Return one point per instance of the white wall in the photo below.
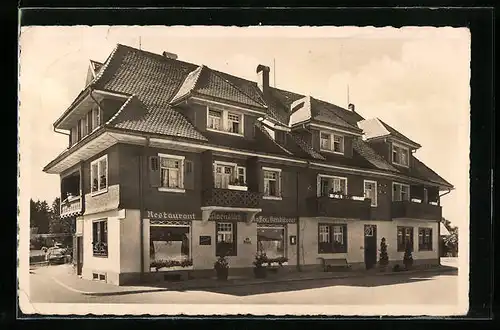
(130, 242)
(308, 239)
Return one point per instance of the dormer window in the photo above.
(332, 142)
(400, 155)
(225, 121)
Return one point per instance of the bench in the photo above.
(334, 263)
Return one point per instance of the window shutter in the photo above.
(346, 237)
(188, 175)
(154, 171)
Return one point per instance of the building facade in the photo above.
(170, 165)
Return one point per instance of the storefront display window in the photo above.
(169, 247)
(271, 241)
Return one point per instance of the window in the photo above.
(424, 239)
(226, 239)
(371, 191)
(169, 246)
(400, 155)
(171, 171)
(83, 127)
(214, 120)
(271, 241)
(228, 174)
(272, 183)
(405, 238)
(96, 118)
(331, 186)
(225, 121)
(332, 238)
(332, 142)
(74, 135)
(99, 174)
(100, 238)
(400, 192)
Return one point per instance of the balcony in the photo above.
(230, 198)
(414, 210)
(325, 206)
(71, 206)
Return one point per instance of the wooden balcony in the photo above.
(71, 207)
(325, 206)
(414, 210)
(231, 198)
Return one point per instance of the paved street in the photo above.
(394, 289)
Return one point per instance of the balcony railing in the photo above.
(413, 210)
(325, 206)
(231, 198)
(71, 206)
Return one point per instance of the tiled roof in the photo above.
(374, 128)
(421, 171)
(208, 82)
(154, 80)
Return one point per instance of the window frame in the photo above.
(331, 177)
(278, 182)
(235, 174)
(329, 247)
(234, 249)
(224, 121)
(104, 254)
(332, 137)
(402, 245)
(425, 246)
(398, 146)
(182, 164)
(373, 203)
(283, 228)
(402, 185)
(98, 162)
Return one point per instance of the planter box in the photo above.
(235, 187)
(171, 269)
(276, 264)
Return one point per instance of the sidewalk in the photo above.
(64, 276)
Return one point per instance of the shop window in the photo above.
(226, 239)
(169, 246)
(332, 238)
(425, 239)
(405, 238)
(100, 238)
(271, 241)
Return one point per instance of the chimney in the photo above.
(351, 107)
(171, 56)
(263, 77)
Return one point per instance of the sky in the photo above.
(414, 79)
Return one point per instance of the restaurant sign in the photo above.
(170, 216)
(227, 216)
(273, 219)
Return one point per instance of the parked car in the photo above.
(56, 255)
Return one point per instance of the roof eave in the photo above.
(76, 102)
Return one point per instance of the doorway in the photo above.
(370, 246)
(79, 254)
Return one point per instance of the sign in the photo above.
(293, 240)
(169, 216)
(227, 216)
(205, 240)
(272, 219)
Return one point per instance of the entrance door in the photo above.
(370, 246)
(79, 253)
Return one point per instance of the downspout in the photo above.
(446, 193)
(142, 161)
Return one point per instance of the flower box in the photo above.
(171, 269)
(236, 187)
(276, 264)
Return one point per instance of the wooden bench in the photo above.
(334, 263)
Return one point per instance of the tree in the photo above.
(40, 216)
(58, 225)
(383, 258)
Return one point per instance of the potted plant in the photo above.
(221, 267)
(236, 184)
(407, 257)
(384, 258)
(260, 265)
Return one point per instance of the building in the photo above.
(170, 164)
